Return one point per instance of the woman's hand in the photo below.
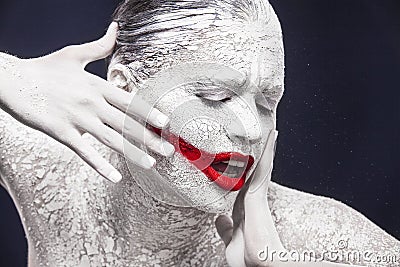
(250, 235)
(251, 228)
(55, 95)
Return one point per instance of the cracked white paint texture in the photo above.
(254, 51)
(74, 217)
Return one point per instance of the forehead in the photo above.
(253, 47)
(259, 55)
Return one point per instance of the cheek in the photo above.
(199, 123)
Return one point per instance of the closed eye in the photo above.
(221, 96)
(214, 97)
(212, 90)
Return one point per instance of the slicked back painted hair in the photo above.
(144, 24)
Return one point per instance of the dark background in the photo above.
(339, 121)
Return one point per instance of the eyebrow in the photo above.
(215, 86)
(229, 88)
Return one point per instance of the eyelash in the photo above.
(213, 98)
(265, 106)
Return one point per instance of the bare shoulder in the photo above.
(316, 223)
(27, 156)
(21, 148)
(5, 118)
(30, 160)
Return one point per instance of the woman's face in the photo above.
(221, 97)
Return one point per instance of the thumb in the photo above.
(98, 49)
(224, 225)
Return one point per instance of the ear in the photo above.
(120, 76)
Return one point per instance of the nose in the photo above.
(245, 132)
(246, 126)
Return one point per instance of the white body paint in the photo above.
(73, 217)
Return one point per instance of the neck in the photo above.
(156, 230)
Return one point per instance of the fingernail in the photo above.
(115, 176)
(162, 120)
(167, 149)
(113, 25)
(147, 162)
(273, 135)
(276, 135)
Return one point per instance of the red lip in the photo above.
(204, 160)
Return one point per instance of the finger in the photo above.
(252, 198)
(262, 174)
(130, 128)
(134, 105)
(93, 158)
(98, 49)
(255, 200)
(115, 141)
(260, 233)
(259, 228)
(238, 213)
(224, 225)
(236, 250)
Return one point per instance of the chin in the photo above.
(176, 182)
(223, 205)
(191, 187)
